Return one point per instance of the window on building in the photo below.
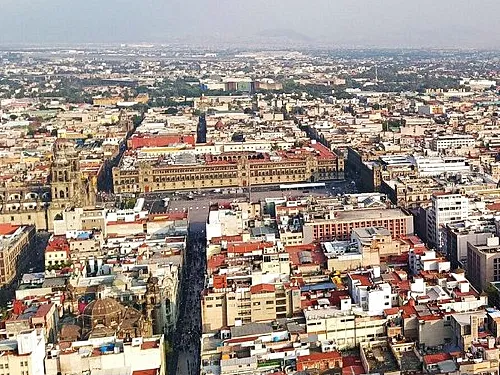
(496, 269)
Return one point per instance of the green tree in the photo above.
(129, 204)
(142, 90)
(136, 120)
(493, 295)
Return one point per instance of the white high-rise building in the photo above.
(445, 142)
(446, 208)
(24, 354)
(434, 166)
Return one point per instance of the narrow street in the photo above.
(33, 261)
(185, 357)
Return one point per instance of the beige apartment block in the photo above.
(259, 303)
(347, 329)
(14, 251)
(377, 240)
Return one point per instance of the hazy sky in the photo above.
(386, 23)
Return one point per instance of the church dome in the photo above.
(102, 308)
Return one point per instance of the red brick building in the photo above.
(319, 361)
(339, 227)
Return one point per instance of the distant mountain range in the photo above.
(284, 34)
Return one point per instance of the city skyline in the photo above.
(388, 23)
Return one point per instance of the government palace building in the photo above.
(188, 170)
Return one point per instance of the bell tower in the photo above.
(151, 297)
(65, 176)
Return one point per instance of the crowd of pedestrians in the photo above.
(186, 342)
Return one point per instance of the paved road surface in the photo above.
(34, 263)
(199, 204)
(186, 356)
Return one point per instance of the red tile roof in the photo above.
(319, 356)
(43, 310)
(146, 140)
(351, 365)
(353, 370)
(431, 359)
(215, 261)
(414, 240)
(262, 288)
(391, 311)
(324, 152)
(364, 280)
(398, 260)
(318, 257)
(57, 243)
(149, 345)
(154, 371)
(493, 207)
(7, 228)
(229, 239)
(247, 247)
(220, 281)
(409, 309)
(335, 297)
